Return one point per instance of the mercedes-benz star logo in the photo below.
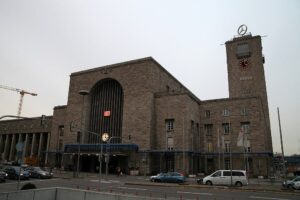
(242, 30)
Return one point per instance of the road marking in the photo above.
(270, 198)
(196, 193)
(127, 188)
(104, 181)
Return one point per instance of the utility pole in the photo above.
(284, 168)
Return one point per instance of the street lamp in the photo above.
(83, 93)
(107, 152)
(104, 138)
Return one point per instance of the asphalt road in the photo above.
(169, 191)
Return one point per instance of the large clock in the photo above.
(243, 63)
(105, 137)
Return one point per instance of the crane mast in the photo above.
(22, 93)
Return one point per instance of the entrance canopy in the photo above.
(96, 148)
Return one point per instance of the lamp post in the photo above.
(107, 154)
(83, 93)
(104, 138)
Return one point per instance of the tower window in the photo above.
(209, 147)
(207, 113)
(226, 128)
(245, 126)
(208, 129)
(244, 111)
(227, 146)
(169, 124)
(61, 130)
(225, 112)
(243, 50)
(170, 143)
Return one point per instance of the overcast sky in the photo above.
(43, 42)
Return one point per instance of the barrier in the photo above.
(67, 193)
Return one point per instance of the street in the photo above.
(140, 186)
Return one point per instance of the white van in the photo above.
(223, 177)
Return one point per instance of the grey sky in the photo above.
(43, 42)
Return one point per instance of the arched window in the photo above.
(106, 95)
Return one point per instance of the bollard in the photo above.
(88, 188)
(98, 189)
(77, 187)
(181, 197)
(150, 194)
(136, 193)
(110, 190)
(165, 195)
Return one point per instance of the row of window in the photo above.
(226, 113)
(226, 147)
(208, 128)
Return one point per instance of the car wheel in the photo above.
(208, 183)
(238, 184)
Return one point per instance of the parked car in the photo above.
(170, 177)
(296, 185)
(37, 172)
(289, 183)
(14, 172)
(3, 176)
(223, 177)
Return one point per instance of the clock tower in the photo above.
(246, 76)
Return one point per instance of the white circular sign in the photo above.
(242, 30)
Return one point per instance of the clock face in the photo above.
(105, 137)
(244, 64)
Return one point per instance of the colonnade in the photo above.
(35, 145)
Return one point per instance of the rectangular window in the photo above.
(60, 145)
(244, 111)
(170, 143)
(61, 130)
(225, 112)
(209, 147)
(208, 129)
(226, 128)
(227, 146)
(207, 113)
(243, 50)
(169, 124)
(245, 126)
(227, 164)
(247, 149)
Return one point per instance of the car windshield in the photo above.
(17, 169)
(37, 169)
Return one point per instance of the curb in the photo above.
(295, 192)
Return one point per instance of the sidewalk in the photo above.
(254, 184)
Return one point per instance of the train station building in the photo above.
(136, 116)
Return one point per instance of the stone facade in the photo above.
(172, 128)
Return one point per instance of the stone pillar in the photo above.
(25, 147)
(12, 148)
(33, 145)
(40, 147)
(1, 143)
(6, 147)
(47, 149)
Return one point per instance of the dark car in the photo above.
(3, 176)
(14, 172)
(170, 177)
(289, 183)
(37, 172)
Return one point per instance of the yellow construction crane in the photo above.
(22, 93)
